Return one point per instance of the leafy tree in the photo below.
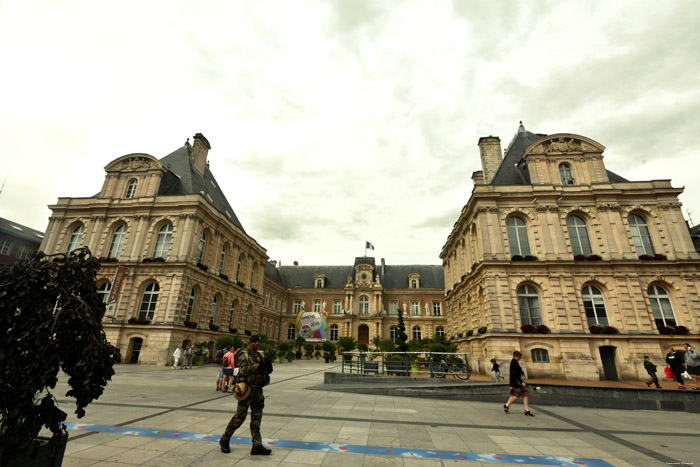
(225, 341)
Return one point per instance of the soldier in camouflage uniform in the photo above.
(251, 371)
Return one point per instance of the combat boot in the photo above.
(225, 448)
(260, 450)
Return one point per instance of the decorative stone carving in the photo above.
(561, 145)
(608, 207)
(136, 163)
(669, 206)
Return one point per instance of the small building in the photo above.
(17, 241)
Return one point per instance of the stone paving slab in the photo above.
(162, 399)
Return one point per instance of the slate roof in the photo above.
(20, 231)
(183, 179)
(395, 277)
(507, 174)
(695, 235)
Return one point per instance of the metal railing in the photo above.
(425, 364)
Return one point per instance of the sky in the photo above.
(333, 123)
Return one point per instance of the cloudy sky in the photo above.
(332, 123)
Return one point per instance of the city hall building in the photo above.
(179, 268)
(580, 269)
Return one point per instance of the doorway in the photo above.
(607, 357)
(136, 349)
(363, 334)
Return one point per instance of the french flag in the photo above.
(369, 245)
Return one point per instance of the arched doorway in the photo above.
(135, 346)
(363, 334)
(607, 357)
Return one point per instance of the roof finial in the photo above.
(187, 143)
(521, 127)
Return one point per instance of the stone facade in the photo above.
(556, 240)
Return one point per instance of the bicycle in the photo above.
(441, 368)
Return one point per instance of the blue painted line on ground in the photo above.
(351, 448)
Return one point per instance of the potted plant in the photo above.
(309, 350)
(482, 330)
(328, 350)
(543, 329)
(681, 330)
(51, 320)
(284, 348)
(347, 344)
(299, 343)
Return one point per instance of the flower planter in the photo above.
(45, 454)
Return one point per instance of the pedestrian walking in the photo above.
(677, 365)
(227, 365)
(176, 357)
(190, 356)
(518, 385)
(692, 364)
(496, 369)
(651, 369)
(254, 373)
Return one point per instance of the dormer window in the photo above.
(319, 281)
(565, 174)
(131, 188)
(414, 280)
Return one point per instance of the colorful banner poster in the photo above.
(312, 325)
(117, 282)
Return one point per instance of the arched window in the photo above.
(578, 233)
(233, 313)
(414, 284)
(131, 188)
(594, 305)
(190, 305)
(163, 239)
(117, 244)
(103, 291)
(238, 268)
(252, 275)
(529, 303)
(363, 304)
(661, 307)
(439, 331)
(222, 259)
(392, 333)
(539, 355)
(200, 248)
(149, 300)
(565, 174)
(416, 332)
(415, 308)
(291, 331)
(334, 332)
(214, 306)
(319, 284)
(517, 236)
(76, 236)
(640, 235)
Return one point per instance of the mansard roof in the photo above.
(394, 277)
(507, 173)
(20, 231)
(182, 178)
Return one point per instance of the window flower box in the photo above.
(159, 259)
(530, 258)
(667, 330)
(595, 329)
(646, 257)
(203, 267)
(482, 330)
(526, 328)
(102, 259)
(470, 333)
(254, 290)
(142, 321)
(247, 332)
(232, 330)
(224, 277)
(659, 257)
(213, 327)
(516, 258)
(594, 258)
(610, 330)
(542, 329)
(579, 257)
(191, 324)
(681, 330)
(240, 284)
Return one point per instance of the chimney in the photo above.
(383, 267)
(200, 149)
(478, 177)
(273, 262)
(490, 148)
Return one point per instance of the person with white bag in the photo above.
(692, 364)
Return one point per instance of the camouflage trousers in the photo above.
(256, 402)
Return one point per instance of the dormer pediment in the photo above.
(564, 143)
(137, 162)
(132, 176)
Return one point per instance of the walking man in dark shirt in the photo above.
(651, 369)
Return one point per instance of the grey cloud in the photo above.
(443, 220)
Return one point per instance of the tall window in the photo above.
(233, 313)
(640, 235)
(517, 236)
(437, 309)
(364, 305)
(661, 307)
(529, 303)
(334, 332)
(149, 300)
(539, 355)
(291, 331)
(317, 306)
(190, 305)
(24, 251)
(214, 306)
(440, 331)
(264, 325)
(414, 284)
(247, 316)
(165, 236)
(238, 268)
(392, 333)
(336, 307)
(415, 309)
(319, 284)
(252, 275)
(5, 246)
(578, 233)
(416, 332)
(131, 188)
(200, 248)
(297, 306)
(594, 305)
(393, 308)
(104, 290)
(565, 174)
(76, 237)
(222, 259)
(117, 244)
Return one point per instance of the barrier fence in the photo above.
(425, 364)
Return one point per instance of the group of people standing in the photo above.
(226, 377)
(182, 358)
(688, 363)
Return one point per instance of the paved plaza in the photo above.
(157, 416)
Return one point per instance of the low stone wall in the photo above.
(540, 394)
